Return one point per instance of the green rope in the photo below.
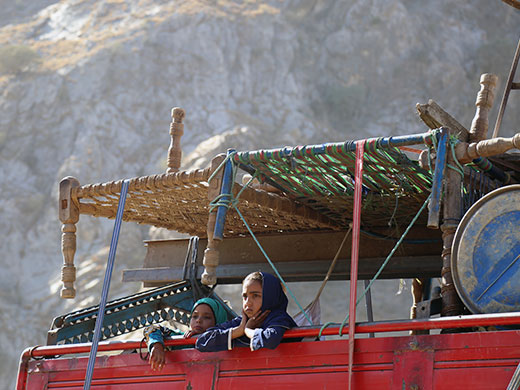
(323, 328)
(386, 261)
(311, 175)
(218, 201)
(435, 133)
(221, 165)
(459, 168)
(273, 266)
(253, 177)
(232, 203)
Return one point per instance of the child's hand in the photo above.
(257, 320)
(157, 357)
(238, 331)
(189, 333)
(244, 320)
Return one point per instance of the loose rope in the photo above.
(380, 268)
(273, 266)
(386, 261)
(332, 265)
(232, 202)
(459, 168)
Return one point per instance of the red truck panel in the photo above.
(484, 360)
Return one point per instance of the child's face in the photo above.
(251, 297)
(202, 318)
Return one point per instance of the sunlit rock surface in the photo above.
(92, 93)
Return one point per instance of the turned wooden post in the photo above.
(69, 216)
(452, 209)
(176, 132)
(485, 99)
(212, 254)
(490, 147)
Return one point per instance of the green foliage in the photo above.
(17, 58)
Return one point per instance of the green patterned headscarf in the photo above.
(218, 310)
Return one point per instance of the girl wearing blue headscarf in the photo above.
(206, 313)
(263, 322)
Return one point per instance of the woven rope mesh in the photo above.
(318, 186)
(322, 177)
(181, 204)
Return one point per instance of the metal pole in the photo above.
(356, 226)
(452, 213)
(434, 207)
(106, 286)
(225, 192)
(348, 146)
(508, 87)
(368, 302)
(515, 380)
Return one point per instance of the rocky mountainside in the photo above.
(86, 88)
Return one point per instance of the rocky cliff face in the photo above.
(87, 86)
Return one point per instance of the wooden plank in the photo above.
(398, 267)
(291, 247)
(304, 255)
(434, 117)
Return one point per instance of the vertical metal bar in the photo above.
(452, 200)
(225, 191)
(472, 179)
(507, 89)
(106, 286)
(368, 303)
(427, 289)
(434, 207)
(356, 227)
(515, 380)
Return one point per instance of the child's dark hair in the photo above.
(257, 276)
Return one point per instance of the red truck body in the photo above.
(471, 360)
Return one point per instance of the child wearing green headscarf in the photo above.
(206, 313)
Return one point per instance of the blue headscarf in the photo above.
(274, 299)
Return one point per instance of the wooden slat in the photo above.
(398, 267)
(308, 246)
(434, 117)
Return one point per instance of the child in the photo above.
(206, 313)
(263, 322)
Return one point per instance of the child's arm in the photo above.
(154, 336)
(220, 337)
(265, 338)
(269, 337)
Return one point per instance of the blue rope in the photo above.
(106, 285)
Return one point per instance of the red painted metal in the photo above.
(354, 257)
(495, 353)
(469, 321)
(478, 360)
